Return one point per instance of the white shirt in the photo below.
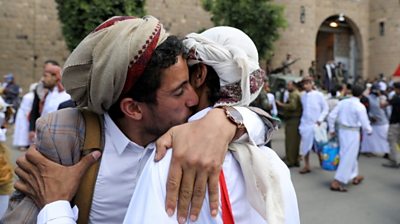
(349, 113)
(315, 108)
(271, 100)
(53, 99)
(148, 201)
(121, 165)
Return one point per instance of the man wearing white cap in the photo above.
(132, 73)
(224, 71)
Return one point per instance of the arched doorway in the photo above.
(339, 40)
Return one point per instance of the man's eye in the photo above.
(179, 92)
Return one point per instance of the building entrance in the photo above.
(338, 47)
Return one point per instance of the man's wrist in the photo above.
(218, 118)
(234, 117)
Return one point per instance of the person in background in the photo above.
(333, 98)
(315, 110)
(48, 94)
(287, 63)
(394, 128)
(11, 94)
(21, 131)
(266, 100)
(377, 142)
(291, 115)
(349, 115)
(329, 75)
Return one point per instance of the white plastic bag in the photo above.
(321, 133)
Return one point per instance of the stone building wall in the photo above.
(385, 49)
(180, 17)
(300, 38)
(30, 32)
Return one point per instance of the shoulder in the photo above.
(60, 135)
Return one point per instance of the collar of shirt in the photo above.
(199, 114)
(119, 140)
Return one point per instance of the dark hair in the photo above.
(212, 82)
(396, 85)
(333, 91)
(145, 88)
(357, 90)
(53, 62)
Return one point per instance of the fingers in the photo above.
(185, 194)
(26, 165)
(23, 187)
(87, 161)
(24, 176)
(27, 190)
(213, 193)
(162, 144)
(199, 191)
(34, 156)
(173, 184)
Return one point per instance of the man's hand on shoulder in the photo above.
(199, 151)
(45, 181)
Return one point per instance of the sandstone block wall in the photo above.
(30, 32)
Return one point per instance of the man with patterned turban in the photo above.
(133, 74)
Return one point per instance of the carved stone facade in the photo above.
(30, 33)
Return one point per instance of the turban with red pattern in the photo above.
(108, 62)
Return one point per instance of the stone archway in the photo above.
(339, 39)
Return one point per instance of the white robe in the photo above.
(53, 100)
(315, 109)
(148, 201)
(377, 142)
(271, 100)
(21, 131)
(350, 115)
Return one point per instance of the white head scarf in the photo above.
(234, 57)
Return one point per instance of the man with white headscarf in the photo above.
(255, 184)
(130, 71)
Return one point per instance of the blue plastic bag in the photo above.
(330, 155)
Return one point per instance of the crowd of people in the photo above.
(368, 111)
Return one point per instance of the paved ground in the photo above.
(375, 201)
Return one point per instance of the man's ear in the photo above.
(200, 75)
(131, 108)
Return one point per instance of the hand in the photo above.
(45, 181)
(198, 154)
(278, 103)
(373, 119)
(332, 134)
(318, 123)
